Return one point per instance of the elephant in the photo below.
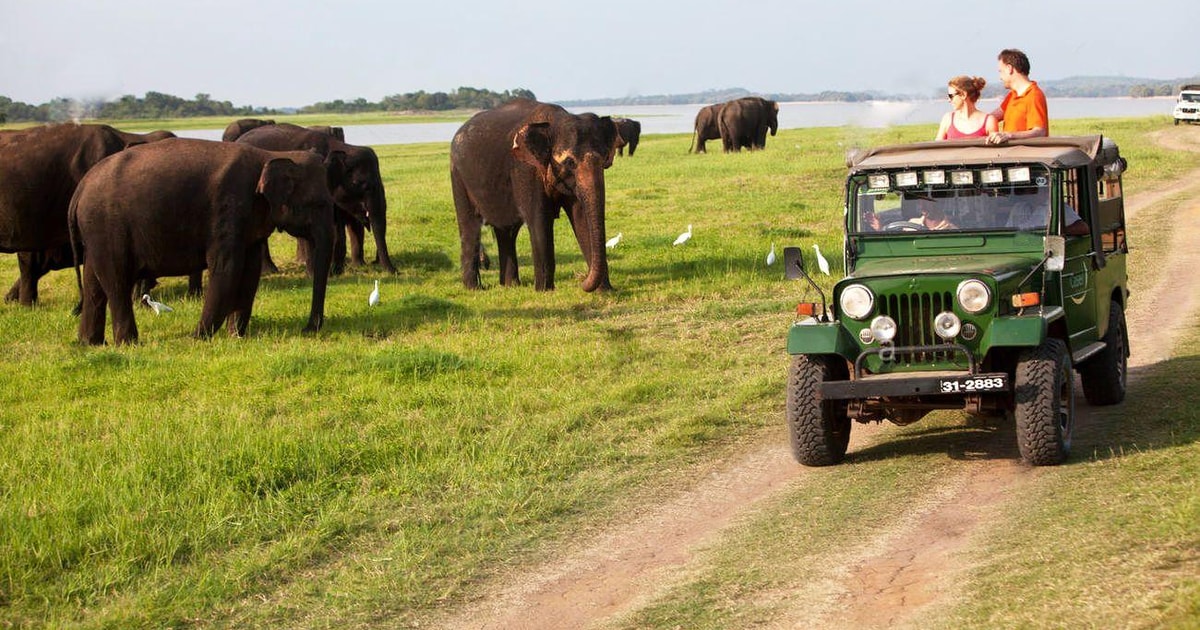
(43, 262)
(744, 122)
(630, 132)
(336, 132)
(39, 170)
(358, 191)
(132, 139)
(522, 163)
(706, 127)
(238, 127)
(176, 207)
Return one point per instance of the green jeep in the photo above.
(977, 277)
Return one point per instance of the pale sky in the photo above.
(271, 53)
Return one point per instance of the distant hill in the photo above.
(1069, 87)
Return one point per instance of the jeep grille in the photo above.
(914, 315)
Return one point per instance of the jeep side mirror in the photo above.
(793, 263)
(1056, 253)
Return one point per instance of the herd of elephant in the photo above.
(126, 209)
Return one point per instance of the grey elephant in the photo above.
(706, 127)
(179, 206)
(743, 123)
(39, 170)
(357, 190)
(522, 164)
(630, 133)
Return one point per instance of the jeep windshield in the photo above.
(968, 200)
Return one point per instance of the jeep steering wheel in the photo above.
(905, 226)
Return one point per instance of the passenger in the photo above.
(965, 120)
(1026, 217)
(933, 217)
(1023, 111)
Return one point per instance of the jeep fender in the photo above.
(1025, 331)
(812, 337)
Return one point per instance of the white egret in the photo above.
(683, 238)
(158, 307)
(821, 262)
(771, 256)
(373, 299)
(612, 242)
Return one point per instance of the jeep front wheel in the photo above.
(1104, 374)
(819, 429)
(1044, 403)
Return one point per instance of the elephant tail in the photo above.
(76, 248)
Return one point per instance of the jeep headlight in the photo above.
(883, 328)
(857, 301)
(974, 296)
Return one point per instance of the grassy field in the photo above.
(380, 469)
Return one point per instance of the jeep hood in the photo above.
(998, 266)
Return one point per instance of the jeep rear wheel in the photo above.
(1105, 373)
(1045, 403)
(819, 429)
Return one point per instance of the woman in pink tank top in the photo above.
(965, 121)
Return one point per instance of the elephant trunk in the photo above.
(320, 256)
(377, 214)
(590, 192)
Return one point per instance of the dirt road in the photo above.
(905, 572)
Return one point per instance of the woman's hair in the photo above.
(971, 86)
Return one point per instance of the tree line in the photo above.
(462, 98)
(156, 105)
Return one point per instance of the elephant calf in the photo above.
(179, 206)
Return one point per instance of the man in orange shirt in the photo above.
(1023, 110)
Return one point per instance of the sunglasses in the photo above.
(950, 96)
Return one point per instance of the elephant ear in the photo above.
(278, 180)
(533, 144)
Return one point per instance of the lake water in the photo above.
(661, 119)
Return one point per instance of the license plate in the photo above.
(974, 384)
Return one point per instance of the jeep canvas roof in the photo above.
(1054, 151)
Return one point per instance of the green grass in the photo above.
(382, 468)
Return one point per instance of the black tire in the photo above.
(1104, 375)
(819, 429)
(1045, 403)
(1176, 122)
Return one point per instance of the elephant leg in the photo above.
(32, 269)
(243, 299)
(354, 234)
(14, 293)
(541, 237)
(506, 251)
(470, 225)
(143, 287)
(223, 279)
(94, 304)
(268, 265)
(120, 303)
(339, 248)
(302, 251)
(195, 284)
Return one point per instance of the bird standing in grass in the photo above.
(821, 262)
(612, 242)
(373, 299)
(683, 238)
(771, 256)
(158, 307)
